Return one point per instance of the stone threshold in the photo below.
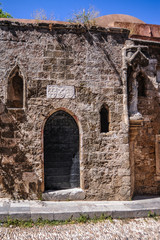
(64, 195)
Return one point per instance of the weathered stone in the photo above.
(97, 66)
(60, 91)
(64, 195)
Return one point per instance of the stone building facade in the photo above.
(79, 108)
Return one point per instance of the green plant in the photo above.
(40, 196)
(42, 222)
(84, 16)
(110, 219)
(15, 222)
(82, 219)
(40, 14)
(29, 223)
(152, 215)
(4, 14)
(81, 85)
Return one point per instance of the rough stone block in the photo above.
(64, 195)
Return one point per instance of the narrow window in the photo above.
(141, 85)
(104, 116)
(15, 92)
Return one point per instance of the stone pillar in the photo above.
(133, 132)
(133, 104)
(157, 148)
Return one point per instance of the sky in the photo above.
(146, 10)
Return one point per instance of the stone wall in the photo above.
(62, 55)
(143, 146)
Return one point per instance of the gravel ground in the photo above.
(118, 229)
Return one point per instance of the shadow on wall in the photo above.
(13, 161)
(144, 143)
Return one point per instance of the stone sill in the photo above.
(64, 195)
(157, 177)
(22, 109)
(110, 133)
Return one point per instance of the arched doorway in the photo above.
(61, 152)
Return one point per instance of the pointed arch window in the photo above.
(15, 91)
(104, 119)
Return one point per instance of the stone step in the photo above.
(62, 195)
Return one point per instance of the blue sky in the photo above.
(146, 10)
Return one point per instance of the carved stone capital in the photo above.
(136, 116)
(137, 55)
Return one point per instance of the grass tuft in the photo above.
(42, 222)
(152, 215)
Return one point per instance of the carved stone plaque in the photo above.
(54, 91)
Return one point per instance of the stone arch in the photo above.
(104, 119)
(61, 151)
(15, 89)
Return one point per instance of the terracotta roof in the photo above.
(138, 29)
(149, 32)
(104, 21)
(109, 20)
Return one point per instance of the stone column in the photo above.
(157, 148)
(133, 103)
(133, 132)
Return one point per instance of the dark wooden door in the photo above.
(61, 152)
